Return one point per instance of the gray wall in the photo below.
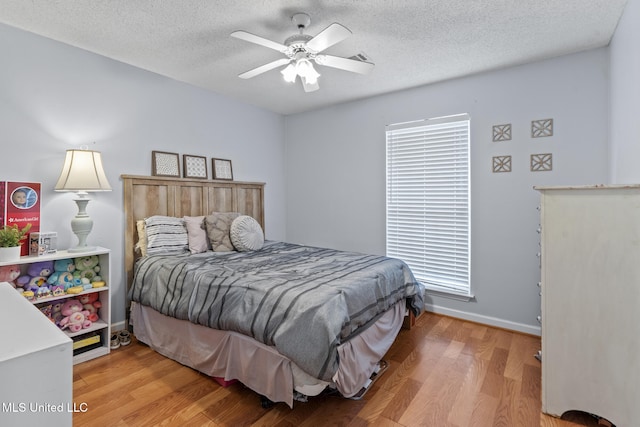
(625, 97)
(335, 160)
(54, 97)
(325, 169)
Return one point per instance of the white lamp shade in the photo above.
(82, 171)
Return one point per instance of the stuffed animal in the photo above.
(82, 283)
(87, 268)
(9, 273)
(56, 312)
(29, 283)
(75, 317)
(36, 278)
(42, 268)
(62, 273)
(91, 303)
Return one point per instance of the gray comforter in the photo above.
(303, 300)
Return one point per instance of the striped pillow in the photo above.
(166, 235)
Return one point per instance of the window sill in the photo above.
(448, 294)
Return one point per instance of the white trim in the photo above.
(451, 295)
(118, 326)
(485, 320)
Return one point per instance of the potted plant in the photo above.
(10, 240)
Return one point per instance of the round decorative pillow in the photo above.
(246, 234)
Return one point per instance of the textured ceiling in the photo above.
(412, 43)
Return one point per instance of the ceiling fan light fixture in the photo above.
(305, 70)
(301, 50)
(289, 73)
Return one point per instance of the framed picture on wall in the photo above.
(194, 166)
(221, 169)
(165, 164)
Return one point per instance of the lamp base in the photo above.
(81, 225)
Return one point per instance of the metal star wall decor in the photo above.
(502, 132)
(501, 164)
(541, 128)
(541, 162)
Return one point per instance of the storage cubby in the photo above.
(93, 341)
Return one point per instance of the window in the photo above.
(428, 201)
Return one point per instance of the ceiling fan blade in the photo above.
(264, 68)
(331, 35)
(252, 38)
(310, 87)
(345, 63)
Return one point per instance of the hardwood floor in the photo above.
(443, 372)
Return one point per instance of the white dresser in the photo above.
(590, 249)
(36, 366)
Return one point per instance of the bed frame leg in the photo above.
(409, 321)
(266, 403)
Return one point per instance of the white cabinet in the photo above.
(35, 366)
(591, 301)
(99, 333)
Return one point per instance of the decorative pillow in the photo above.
(197, 233)
(246, 234)
(218, 226)
(141, 245)
(166, 235)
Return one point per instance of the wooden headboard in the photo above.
(145, 196)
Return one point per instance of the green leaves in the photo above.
(12, 235)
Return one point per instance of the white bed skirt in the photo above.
(231, 355)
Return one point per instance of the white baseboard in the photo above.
(118, 326)
(485, 320)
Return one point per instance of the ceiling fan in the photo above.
(301, 49)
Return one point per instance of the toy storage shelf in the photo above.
(102, 327)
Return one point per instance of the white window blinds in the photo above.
(428, 200)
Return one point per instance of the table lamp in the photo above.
(82, 172)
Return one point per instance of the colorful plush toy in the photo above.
(56, 312)
(91, 303)
(87, 268)
(36, 278)
(42, 268)
(62, 273)
(29, 283)
(75, 316)
(9, 273)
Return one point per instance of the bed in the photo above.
(288, 321)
